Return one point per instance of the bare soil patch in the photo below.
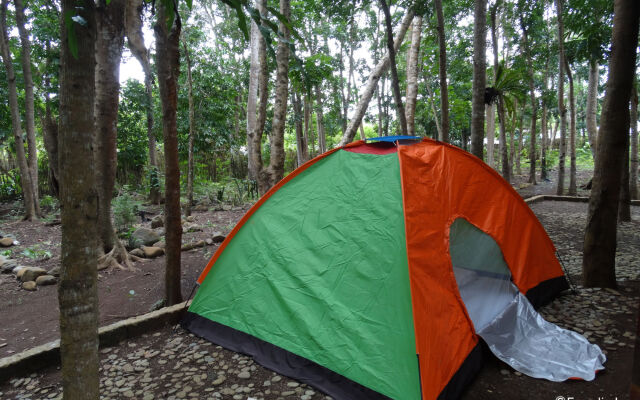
(31, 318)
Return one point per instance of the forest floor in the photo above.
(173, 364)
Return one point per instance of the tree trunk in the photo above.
(573, 190)
(168, 62)
(28, 103)
(109, 42)
(512, 133)
(543, 130)
(274, 173)
(624, 207)
(252, 102)
(543, 143)
(412, 74)
(491, 132)
(633, 174)
(346, 98)
(376, 73)
(395, 85)
(192, 132)
(598, 262)
(432, 104)
(307, 107)
(78, 289)
(301, 143)
(25, 175)
(135, 41)
(592, 106)
(442, 68)
(322, 140)
(479, 77)
(379, 98)
(518, 150)
(561, 107)
(263, 83)
(504, 151)
(50, 139)
(258, 84)
(534, 105)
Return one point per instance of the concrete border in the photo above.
(48, 354)
(575, 199)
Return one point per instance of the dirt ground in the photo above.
(172, 364)
(31, 318)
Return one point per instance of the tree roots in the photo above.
(119, 258)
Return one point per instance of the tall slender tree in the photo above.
(633, 156)
(479, 77)
(534, 102)
(135, 42)
(498, 71)
(254, 158)
(395, 85)
(29, 114)
(275, 171)
(167, 30)
(562, 110)
(109, 43)
(412, 74)
(372, 82)
(573, 190)
(442, 73)
(25, 175)
(192, 131)
(598, 262)
(78, 289)
(592, 105)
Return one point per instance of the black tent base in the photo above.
(279, 360)
(333, 384)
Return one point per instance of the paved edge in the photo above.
(48, 354)
(575, 199)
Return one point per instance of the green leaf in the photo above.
(286, 22)
(189, 4)
(170, 12)
(242, 21)
(72, 40)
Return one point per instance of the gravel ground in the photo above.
(173, 364)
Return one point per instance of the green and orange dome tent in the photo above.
(342, 275)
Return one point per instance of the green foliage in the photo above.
(153, 179)
(231, 191)
(10, 185)
(49, 203)
(132, 141)
(125, 211)
(584, 158)
(36, 253)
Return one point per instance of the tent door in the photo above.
(505, 319)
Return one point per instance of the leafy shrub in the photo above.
(36, 253)
(125, 211)
(49, 203)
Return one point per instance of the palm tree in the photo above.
(508, 88)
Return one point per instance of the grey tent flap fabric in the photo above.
(505, 319)
(520, 337)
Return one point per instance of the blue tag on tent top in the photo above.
(392, 138)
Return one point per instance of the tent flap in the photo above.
(524, 340)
